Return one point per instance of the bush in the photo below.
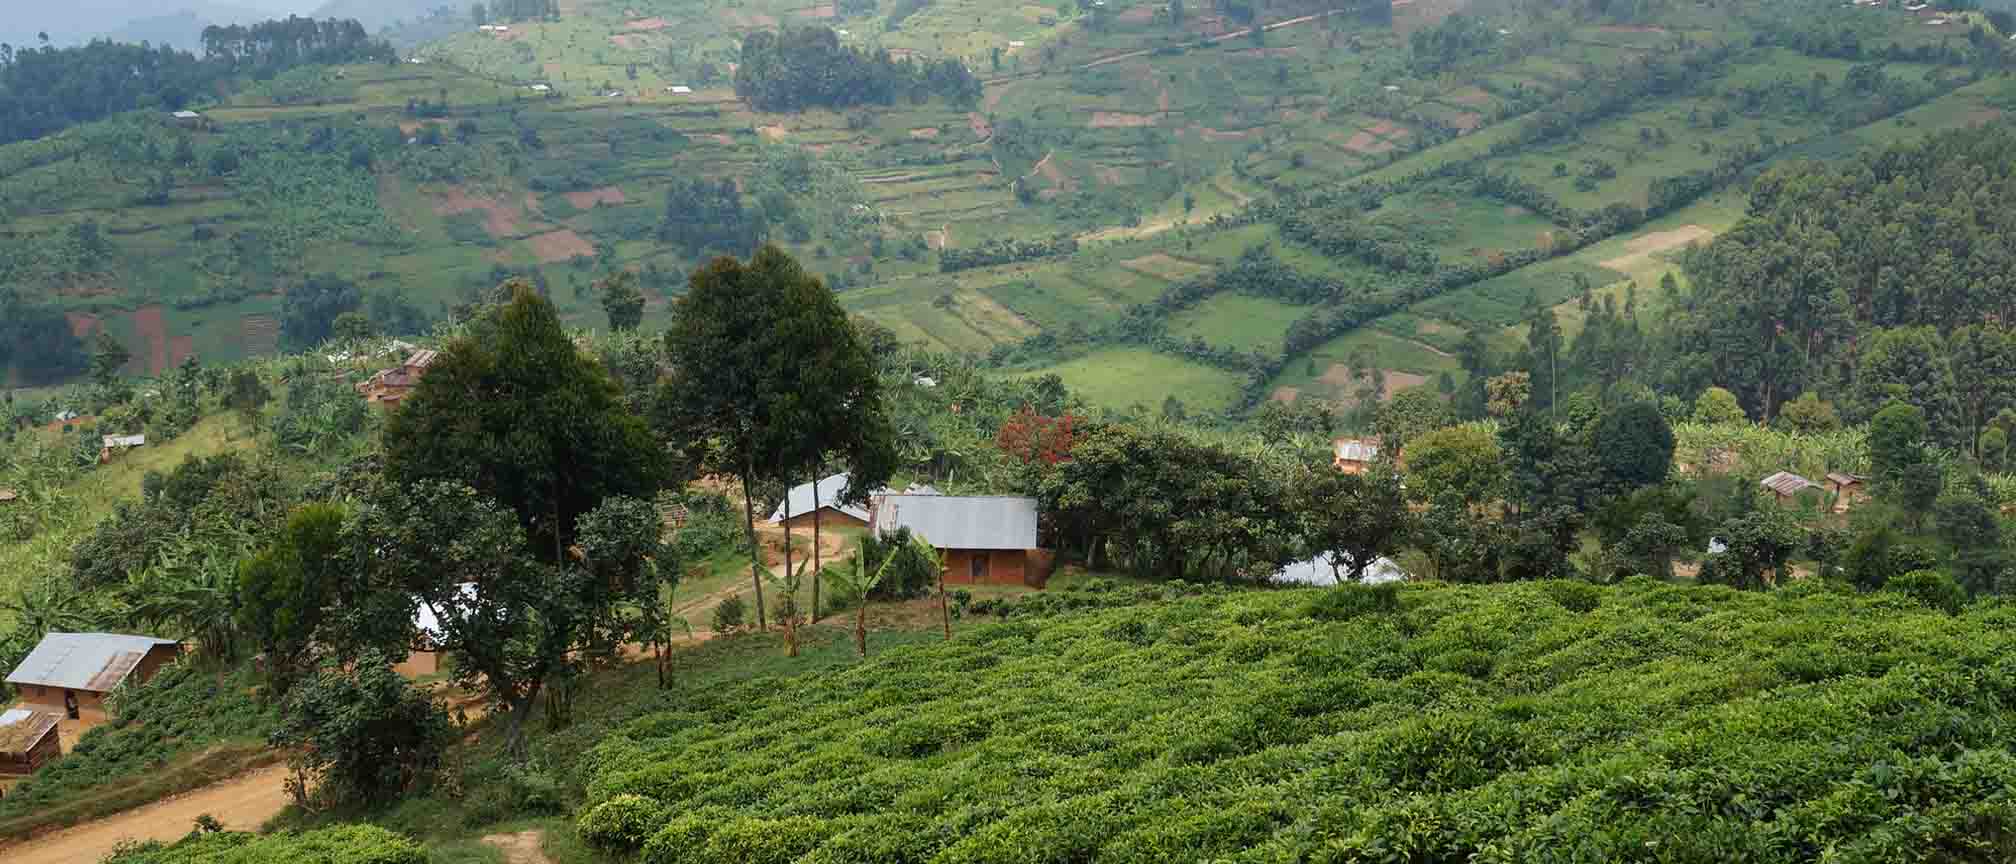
(1347, 601)
(347, 844)
(1932, 589)
(728, 617)
(366, 733)
(622, 823)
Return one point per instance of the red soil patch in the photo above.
(739, 19)
(625, 41)
(1983, 116)
(1140, 14)
(981, 130)
(773, 133)
(1111, 119)
(180, 348)
(1286, 395)
(589, 199)
(924, 132)
(646, 24)
(562, 245)
(821, 11)
(1110, 177)
(1363, 142)
(1338, 378)
(722, 138)
(81, 324)
(994, 94)
(1162, 101)
(1466, 121)
(1389, 129)
(1474, 97)
(502, 218)
(147, 321)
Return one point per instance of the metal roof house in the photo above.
(28, 740)
(71, 672)
(799, 504)
(1353, 455)
(983, 539)
(1786, 485)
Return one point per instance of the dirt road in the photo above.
(242, 803)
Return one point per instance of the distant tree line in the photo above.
(998, 251)
(44, 90)
(807, 67)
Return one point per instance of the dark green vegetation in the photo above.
(44, 90)
(1543, 722)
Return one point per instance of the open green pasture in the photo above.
(1129, 377)
(1237, 321)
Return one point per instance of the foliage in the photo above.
(1716, 405)
(1466, 715)
(309, 315)
(729, 615)
(343, 844)
(289, 586)
(365, 733)
(517, 412)
(622, 300)
(1461, 460)
(1932, 589)
(807, 67)
(622, 823)
(1634, 445)
(904, 571)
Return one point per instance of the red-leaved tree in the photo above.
(1031, 438)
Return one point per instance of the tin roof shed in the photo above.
(94, 662)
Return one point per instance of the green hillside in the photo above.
(1471, 150)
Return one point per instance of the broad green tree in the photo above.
(1354, 518)
(1716, 405)
(1461, 460)
(288, 587)
(768, 380)
(515, 411)
(1634, 446)
(622, 300)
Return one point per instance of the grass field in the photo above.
(1127, 378)
(1237, 321)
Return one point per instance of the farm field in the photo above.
(1126, 378)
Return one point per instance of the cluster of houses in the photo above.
(1845, 489)
(389, 386)
(62, 686)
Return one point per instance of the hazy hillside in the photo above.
(74, 22)
(183, 29)
(378, 14)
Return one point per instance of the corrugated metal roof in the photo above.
(22, 729)
(77, 661)
(1841, 479)
(125, 440)
(1786, 483)
(952, 522)
(830, 490)
(1354, 450)
(1318, 571)
(422, 359)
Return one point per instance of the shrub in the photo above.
(1932, 589)
(682, 841)
(622, 823)
(728, 617)
(346, 844)
(1348, 601)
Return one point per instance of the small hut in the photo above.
(825, 496)
(1848, 489)
(9, 496)
(117, 445)
(1354, 455)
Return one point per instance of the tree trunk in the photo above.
(861, 627)
(521, 710)
(790, 603)
(816, 507)
(944, 610)
(755, 553)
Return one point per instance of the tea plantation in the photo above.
(1535, 722)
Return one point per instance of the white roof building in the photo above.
(1324, 570)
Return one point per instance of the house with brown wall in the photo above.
(984, 540)
(28, 740)
(826, 496)
(390, 386)
(1353, 455)
(71, 673)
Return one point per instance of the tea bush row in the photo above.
(1533, 722)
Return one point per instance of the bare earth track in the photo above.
(242, 803)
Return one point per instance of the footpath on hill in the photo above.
(242, 803)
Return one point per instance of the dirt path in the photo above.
(1129, 55)
(520, 848)
(242, 803)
